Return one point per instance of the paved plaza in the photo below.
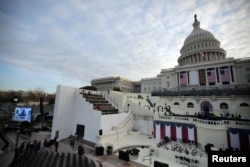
(146, 157)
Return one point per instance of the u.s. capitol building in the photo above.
(203, 64)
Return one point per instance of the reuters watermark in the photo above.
(226, 158)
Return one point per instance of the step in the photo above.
(97, 100)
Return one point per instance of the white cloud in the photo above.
(81, 40)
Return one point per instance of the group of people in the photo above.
(80, 147)
(234, 116)
(33, 145)
(133, 152)
(47, 143)
(212, 116)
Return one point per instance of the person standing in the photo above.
(80, 150)
(73, 144)
(39, 145)
(32, 146)
(56, 145)
(28, 146)
(45, 143)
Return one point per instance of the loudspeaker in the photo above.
(160, 164)
(100, 132)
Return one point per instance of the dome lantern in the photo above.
(196, 23)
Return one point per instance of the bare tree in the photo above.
(26, 96)
(39, 92)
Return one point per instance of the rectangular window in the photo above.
(202, 77)
(168, 84)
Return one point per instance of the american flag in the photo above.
(224, 75)
(183, 78)
(202, 54)
(211, 75)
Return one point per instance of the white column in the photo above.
(206, 77)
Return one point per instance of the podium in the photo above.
(124, 155)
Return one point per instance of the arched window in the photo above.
(223, 106)
(244, 105)
(176, 103)
(190, 105)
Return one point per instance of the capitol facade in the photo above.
(202, 65)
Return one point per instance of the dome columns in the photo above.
(202, 57)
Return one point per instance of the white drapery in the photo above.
(179, 133)
(234, 140)
(158, 131)
(168, 131)
(191, 133)
(193, 77)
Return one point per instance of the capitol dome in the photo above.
(200, 46)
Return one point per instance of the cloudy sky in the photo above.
(70, 42)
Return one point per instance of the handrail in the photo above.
(126, 121)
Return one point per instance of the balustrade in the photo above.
(192, 119)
